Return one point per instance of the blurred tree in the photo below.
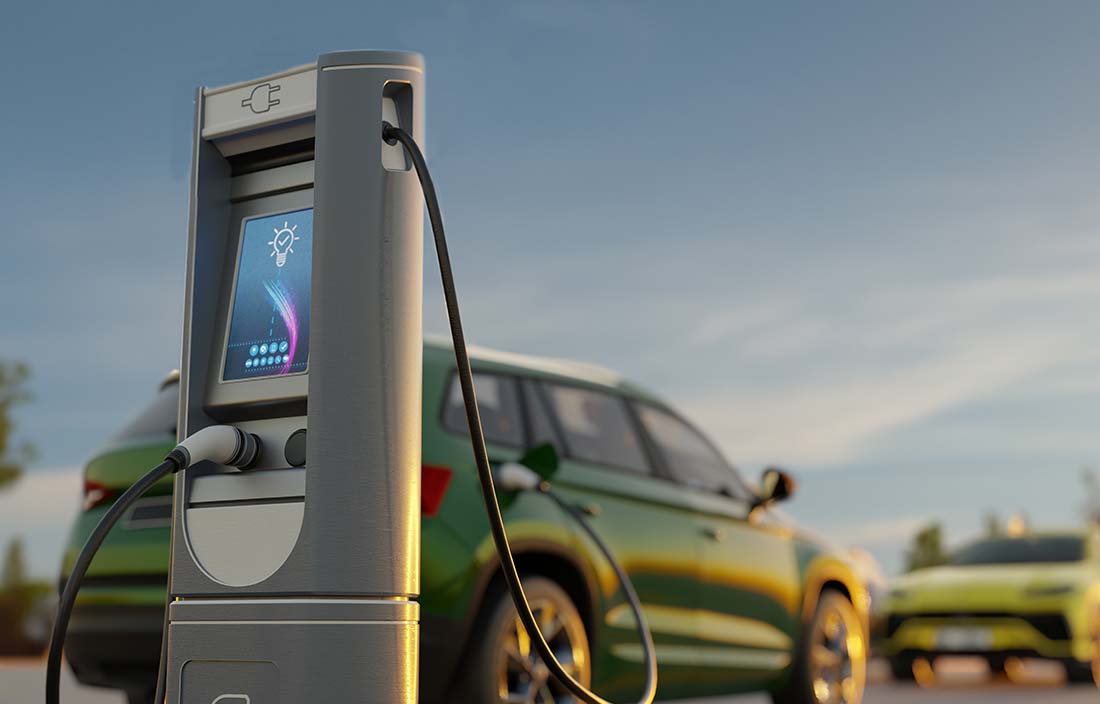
(13, 377)
(927, 549)
(13, 573)
(1091, 507)
(22, 602)
(17, 601)
(993, 526)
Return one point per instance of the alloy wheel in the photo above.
(838, 654)
(522, 676)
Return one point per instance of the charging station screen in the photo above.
(269, 323)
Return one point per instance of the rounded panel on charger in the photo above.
(242, 527)
(239, 546)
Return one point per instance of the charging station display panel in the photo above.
(269, 319)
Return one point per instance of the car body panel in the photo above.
(822, 568)
(752, 590)
(661, 559)
(117, 466)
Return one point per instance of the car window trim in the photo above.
(649, 471)
(658, 468)
(656, 458)
(531, 391)
(452, 377)
(744, 492)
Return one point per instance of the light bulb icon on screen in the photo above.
(282, 242)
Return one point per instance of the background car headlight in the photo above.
(1050, 590)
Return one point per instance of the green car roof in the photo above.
(438, 350)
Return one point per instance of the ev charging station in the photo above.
(297, 579)
(295, 558)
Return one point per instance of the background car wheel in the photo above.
(997, 666)
(1088, 672)
(1083, 673)
(831, 664)
(503, 666)
(902, 669)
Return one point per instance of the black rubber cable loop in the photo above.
(80, 568)
(484, 471)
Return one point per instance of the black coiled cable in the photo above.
(393, 135)
(80, 568)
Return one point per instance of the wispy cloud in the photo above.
(838, 362)
(879, 533)
(828, 421)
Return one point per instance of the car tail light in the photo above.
(434, 481)
(96, 494)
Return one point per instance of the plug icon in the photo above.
(261, 99)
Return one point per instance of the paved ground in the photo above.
(21, 683)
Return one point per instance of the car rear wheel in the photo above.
(902, 669)
(997, 666)
(1083, 673)
(831, 664)
(140, 696)
(504, 667)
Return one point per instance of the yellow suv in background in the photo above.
(1035, 595)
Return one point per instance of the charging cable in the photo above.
(392, 135)
(221, 444)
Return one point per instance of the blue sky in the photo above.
(853, 239)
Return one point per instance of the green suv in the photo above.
(737, 598)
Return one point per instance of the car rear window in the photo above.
(498, 406)
(597, 427)
(158, 417)
(1027, 549)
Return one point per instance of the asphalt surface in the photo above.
(21, 683)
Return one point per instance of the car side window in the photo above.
(597, 427)
(540, 425)
(690, 456)
(498, 405)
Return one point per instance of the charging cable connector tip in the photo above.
(222, 444)
(513, 476)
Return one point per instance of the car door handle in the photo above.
(591, 509)
(714, 533)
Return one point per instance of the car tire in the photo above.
(901, 669)
(830, 666)
(140, 696)
(997, 666)
(502, 660)
(1083, 673)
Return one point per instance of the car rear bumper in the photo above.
(442, 642)
(115, 646)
